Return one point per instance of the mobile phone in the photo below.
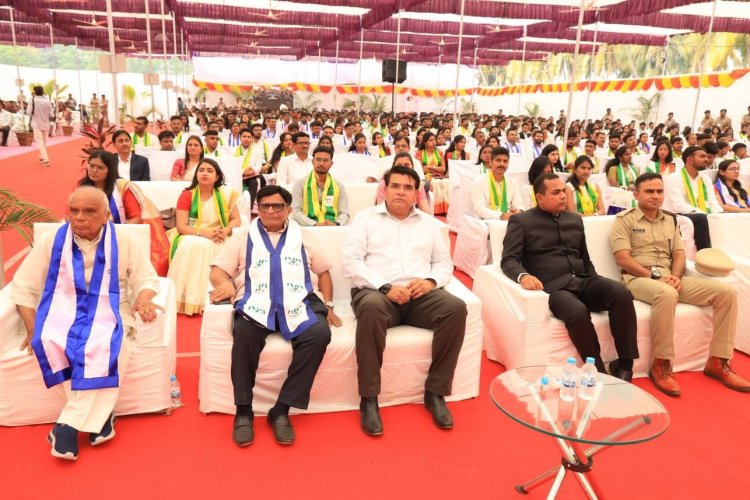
(223, 302)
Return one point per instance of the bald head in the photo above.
(89, 211)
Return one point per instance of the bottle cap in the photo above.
(590, 360)
(571, 361)
(545, 380)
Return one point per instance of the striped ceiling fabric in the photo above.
(330, 28)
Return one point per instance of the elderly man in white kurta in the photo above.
(72, 294)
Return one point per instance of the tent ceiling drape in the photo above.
(319, 28)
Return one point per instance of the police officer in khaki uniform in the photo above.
(648, 248)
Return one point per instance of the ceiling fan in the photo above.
(93, 22)
(258, 32)
(250, 45)
(403, 52)
(443, 43)
(499, 29)
(587, 7)
(274, 16)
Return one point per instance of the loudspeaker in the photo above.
(389, 71)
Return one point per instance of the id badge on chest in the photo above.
(329, 201)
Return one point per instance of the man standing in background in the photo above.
(39, 111)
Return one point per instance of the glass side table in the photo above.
(619, 413)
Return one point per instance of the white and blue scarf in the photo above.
(78, 331)
(277, 281)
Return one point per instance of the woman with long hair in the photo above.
(435, 170)
(283, 149)
(127, 204)
(662, 161)
(484, 159)
(206, 215)
(377, 140)
(184, 168)
(620, 171)
(584, 197)
(729, 191)
(552, 152)
(359, 145)
(457, 150)
(658, 132)
(404, 159)
(541, 165)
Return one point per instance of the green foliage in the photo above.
(50, 89)
(20, 215)
(532, 109)
(98, 137)
(306, 100)
(646, 108)
(443, 104)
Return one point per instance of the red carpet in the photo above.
(705, 453)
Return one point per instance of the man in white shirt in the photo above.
(297, 166)
(399, 262)
(270, 132)
(570, 152)
(494, 196)
(537, 143)
(40, 110)
(5, 120)
(690, 192)
(347, 138)
(140, 136)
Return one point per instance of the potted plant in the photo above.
(23, 131)
(98, 137)
(20, 215)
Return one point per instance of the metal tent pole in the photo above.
(78, 71)
(54, 66)
(336, 77)
(361, 51)
(523, 70)
(150, 62)
(15, 51)
(573, 70)
(113, 60)
(591, 68)
(398, 55)
(703, 63)
(164, 51)
(458, 57)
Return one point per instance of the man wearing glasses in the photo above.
(319, 199)
(399, 262)
(277, 283)
(297, 166)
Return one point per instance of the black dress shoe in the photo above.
(282, 428)
(616, 371)
(243, 433)
(435, 404)
(369, 414)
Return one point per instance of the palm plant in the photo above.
(647, 107)
(51, 89)
(443, 104)
(306, 100)
(19, 215)
(532, 109)
(375, 103)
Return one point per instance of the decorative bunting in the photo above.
(638, 84)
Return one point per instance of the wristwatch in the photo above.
(655, 273)
(385, 288)
(330, 304)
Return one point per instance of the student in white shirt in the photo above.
(690, 192)
(495, 195)
(398, 261)
(297, 166)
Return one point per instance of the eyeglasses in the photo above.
(267, 207)
(94, 166)
(401, 187)
(733, 169)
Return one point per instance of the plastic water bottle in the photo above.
(588, 379)
(175, 392)
(568, 381)
(543, 394)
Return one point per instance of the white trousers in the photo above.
(40, 137)
(87, 411)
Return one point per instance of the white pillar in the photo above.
(591, 67)
(15, 51)
(523, 70)
(164, 51)
(150, 62)
(54, 66)
(336, 77)
(113, 62)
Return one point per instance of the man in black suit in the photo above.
(130, 165)
(545, 249)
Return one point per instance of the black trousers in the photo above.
(439, 311)
(700, 230)
(252, 185)
(574, 303)
(308, 350)
(6, 131)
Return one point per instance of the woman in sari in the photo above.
(540, 165)
(383, 150)
(206, 215)
(184, 168)
(456, 150)
(584, 197)
(127, 205)
(436, 173)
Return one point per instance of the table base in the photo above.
(579, 462)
